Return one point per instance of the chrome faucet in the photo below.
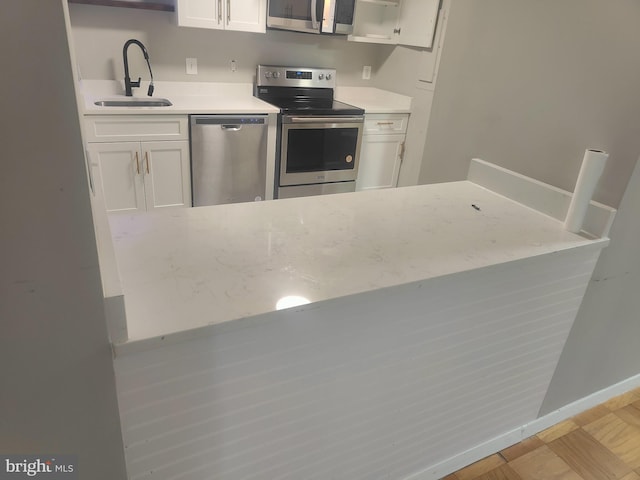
(128, 84)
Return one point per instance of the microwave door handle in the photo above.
(314, 15)
(328, 17)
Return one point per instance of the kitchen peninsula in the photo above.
(427, 306)
(192, 268)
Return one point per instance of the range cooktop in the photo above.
(301, 91)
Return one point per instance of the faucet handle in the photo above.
(136, 84)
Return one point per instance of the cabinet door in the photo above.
(417, 22)
(376, 21)
(120, 175)
(165, 167)
(380, 158)
(201, 13)
(246, 15)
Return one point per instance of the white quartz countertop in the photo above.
(193, 268)
(227, 98)
(374, 100)
(186, 97)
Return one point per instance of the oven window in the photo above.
(321, 149)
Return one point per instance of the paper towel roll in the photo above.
(592, 167)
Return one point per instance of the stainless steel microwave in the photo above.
(312, 16)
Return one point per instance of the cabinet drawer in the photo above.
(129, 128)
(384, 123)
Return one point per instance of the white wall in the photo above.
(58, 391)
(100, 33)
(530, 85)
(603, 346)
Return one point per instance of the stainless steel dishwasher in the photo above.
(228, 158)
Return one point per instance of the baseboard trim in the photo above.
(507, 439)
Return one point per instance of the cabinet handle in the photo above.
(137, 164)
(90, 172)
(402, 151)
(228, 12)
(219, 11)
(385, 123)
(146, 158)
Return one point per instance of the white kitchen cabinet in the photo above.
(141, 176)
(240, 15)
(381, 151)
(167, 180)
(115, 169)
(139, 163)
(397, 22)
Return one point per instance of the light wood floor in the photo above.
(600, 444)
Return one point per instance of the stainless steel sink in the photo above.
(135, 102)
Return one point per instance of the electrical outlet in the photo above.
(366, 72)
(192, 66)
(234, 65)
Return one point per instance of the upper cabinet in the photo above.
(160, 5)
(396, 22)
(240, 15)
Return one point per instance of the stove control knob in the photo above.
(320, 76)
(268, 74)
(329, 76)
(276, 74)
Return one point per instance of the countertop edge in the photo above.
(133, 346)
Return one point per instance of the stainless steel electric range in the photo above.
(318, 147)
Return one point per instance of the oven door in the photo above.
(320, 149)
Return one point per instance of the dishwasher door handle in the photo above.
(228, 120)
(231, 128)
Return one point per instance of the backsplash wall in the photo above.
(100, 33)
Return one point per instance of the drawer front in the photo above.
(384, 123)
(130, 128)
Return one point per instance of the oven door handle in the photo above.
(325, 120)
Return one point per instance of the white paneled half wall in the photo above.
(384, 384)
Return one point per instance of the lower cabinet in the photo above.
(140, 176)
(381, 151)
(139, 163)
